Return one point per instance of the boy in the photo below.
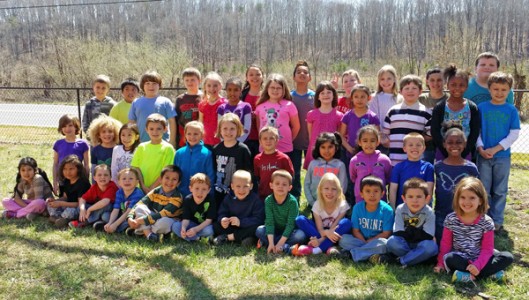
(100, 103)
(243, 110)
(240, 213)
(270, 160)
(152, 102)
(413, 166)
(372, 222)
(150, 157)
(129, 90)
(154, 214)
(478, 90)
(303, 99)
(126, 197)
(281, 210)
(406, 117)
(414, 229)
(500, 127)
(186, 105)
(95, 204)
(198, 210)
(194, 157)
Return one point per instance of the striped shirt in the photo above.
(94, 107)
(400, 120)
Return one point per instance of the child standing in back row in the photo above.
(251, 93)
(500, 127)
(208, 107)
(234, 105)
(350, 79)
(186, 105)
(100, 103)
(129, 90)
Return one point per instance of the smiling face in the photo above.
(360, 99)
(435, 82)
(151, 88)
(457, 87)
(349, 82)
(128, 181)
(254, 76)
(212, 88)
(469, 202)
(233, 92)
(414, 148)
(228, 131)
(275, 91)
(102, 177)
(129, 93)
(415, 199)
(200, 191)
(371, 195)
(27, 173)
(191, 83)
(241, 187)
(411, 93)
(485, 67)
(170, 181)
(326, 96)
(155, 131)
(330, 192)
(268, 142)
(499, 92)
(106, 134)
(128, 137)
(454, 144)
(387, 82)
(327, 151)
(69, 130)
(280, 186)
(368, 142)
(193, 135)
(100, 90)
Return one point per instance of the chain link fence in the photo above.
(31, 115)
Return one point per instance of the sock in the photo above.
(316, 250)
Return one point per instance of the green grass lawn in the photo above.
(40, 262)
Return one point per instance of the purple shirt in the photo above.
(354, 123)
(243, 110)
(64, 148)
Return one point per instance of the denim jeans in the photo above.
(102, 214)
(494, 174)
(411, 253)
(296, 157)
(361, 250)
(309, 228)
(205, 232)
(296, 237)
(70, 213)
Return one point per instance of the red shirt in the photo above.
(343, 106)
(210, 120)
(94, 194)
(265, 164)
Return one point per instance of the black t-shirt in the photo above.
(229, 160)
(74, 191)
(198, 213)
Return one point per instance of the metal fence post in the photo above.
(79, 109)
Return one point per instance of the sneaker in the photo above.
(287, 249)
(220, 240)
(498, 276)
(346, 254)
(61, 222)
(333, 251)
(130, 231)
(76, 224)
(153, 237)
(302, 250)
(9, 214)
(99, 226)
(248, 242)
(31, 216)
(460, 276)
(52, 219)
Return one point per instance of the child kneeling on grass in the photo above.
(372, 222)
(154, 214)
(281, 211)
(199, 210)
(240, 213)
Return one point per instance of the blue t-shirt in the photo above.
(408, 169)
(496, 123)
(101, 155)
(479, 94)
(142, 107)
(372, 223)
(123, 202)
(448, 176)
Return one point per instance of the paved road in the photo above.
(44, 115)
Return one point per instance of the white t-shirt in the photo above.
(326, 218)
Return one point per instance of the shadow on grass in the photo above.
(194, 286)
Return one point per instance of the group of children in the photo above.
(235, 176)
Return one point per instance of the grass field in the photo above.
(40, 262)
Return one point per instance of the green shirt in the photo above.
(281, 216)
(151, 159)
(120, 111)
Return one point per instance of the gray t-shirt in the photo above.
(303, 103)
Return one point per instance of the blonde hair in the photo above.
(102, 167)
(103, 121)
(271, 130)
(101, 78)
(213, 76)
(129, 170)
(391, 70)
(200, 178)
(413, 135)
(233, 118)
(475, 186)
(194, 124)
(330, 177)
(281, 173)
(352, 73)
(242, 174)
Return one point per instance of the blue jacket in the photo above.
(192, 160)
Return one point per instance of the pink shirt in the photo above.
(278, 115)
(210, 120)
(329, 122)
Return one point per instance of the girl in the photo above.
(386, 96)
(456, 108)
(467, 246)
(207, 108)
(369, 161)
(449, 172)
(276, 109)
(104, 135)
(360, 115)
(325, 118)
(242, 109)
(251, 94)
(129, 139)
(32, 182)
(75, 183)
(69, 126)
(326, 154)
(350, 79)
(126, 197)
(229, 155)
(329, 222)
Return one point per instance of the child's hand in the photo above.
(82, 215)
(473, 270)
(225, 222)
(334, 80)
(438, 269)
(87, 214)
(110, 228)
(278, 248)
(334, 237)
(270, 249)
(191, 232)
(183, 233)
(235, 221)
(485, 154)
(314, 242)
(56, 188)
